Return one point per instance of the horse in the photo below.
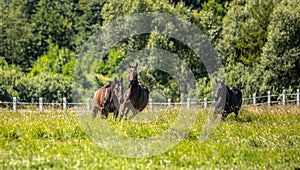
(136, 96)
(108, 99)
(228, 99)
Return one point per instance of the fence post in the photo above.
(14, 104)
(169, 103)
(64, 103)
(269, 98)
(150, 105)
(205, 102)
(254, 99)
(283, 97)
(298, 97)
(188, 103)
(41, 104)
(88, 104)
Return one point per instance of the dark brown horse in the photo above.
(108, 99)
(136, 96)
(228, 99)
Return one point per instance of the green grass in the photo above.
(261, 138)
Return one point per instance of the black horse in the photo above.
(228, 99)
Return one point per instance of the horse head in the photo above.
(117, 89)
(220, 96)
(132, 75)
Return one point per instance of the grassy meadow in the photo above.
(261, 138)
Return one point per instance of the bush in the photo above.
(52, 87)
(14, 83)
(8, 78)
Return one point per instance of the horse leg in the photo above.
(123, 110)
(102, 114)
(116, 113)
(224, 116)
(95, 111)
(127, 110)
(134, 112)
(236, 113)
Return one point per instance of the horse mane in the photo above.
(142, 85)
(234, 90)
(106, 86)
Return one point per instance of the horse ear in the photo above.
(136, 64)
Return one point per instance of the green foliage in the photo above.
(264, 139)
(247, 77)
(256, 41)
(156, 79)
(245, 32)
(3, 63)
(61, 61)
(251, 36)
(51, 87)
(14, 32)
(205, 88)
(9, 76)
(54, 22)
(28, 27)
(105, 70)
(194, 4)
(211, 17)
(280, 60)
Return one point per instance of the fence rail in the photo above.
(266, 100)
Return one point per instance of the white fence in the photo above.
(254, 101)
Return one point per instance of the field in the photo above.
(261, 138)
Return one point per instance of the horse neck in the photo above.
(108, 90)
(134, 87)
(114, 97)
(228, 92)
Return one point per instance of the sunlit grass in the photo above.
(260, 138)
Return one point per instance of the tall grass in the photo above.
(261, 138)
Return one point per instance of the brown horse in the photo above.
(136, 96)
(108, 99)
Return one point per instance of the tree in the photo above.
(9, 76)
(14, 31)
(281, 54)
(111, 11)
(55, 60)
(105, 69)
(209, 20)
(245, 32)
(244, 35)
(54, 22)
(87, 20)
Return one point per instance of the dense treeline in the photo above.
(257, 40)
